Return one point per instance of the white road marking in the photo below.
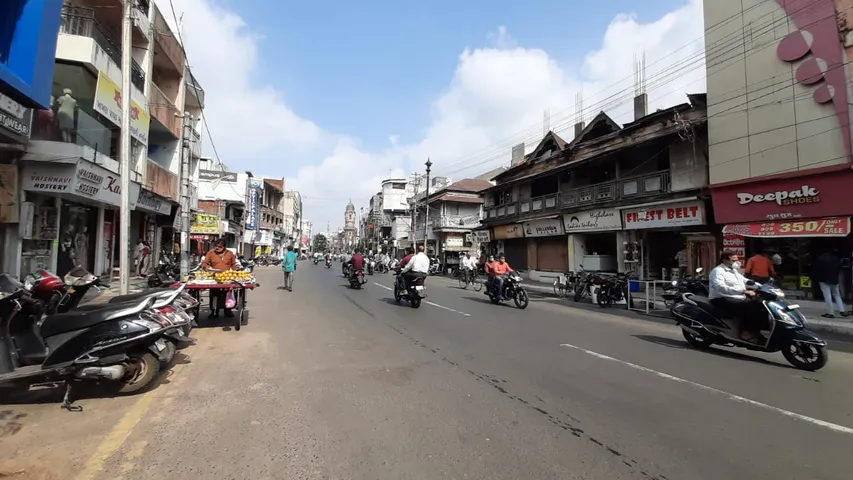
(737, 398)
(429, 303)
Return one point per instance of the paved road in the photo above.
(332, 383)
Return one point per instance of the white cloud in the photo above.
(495, 98)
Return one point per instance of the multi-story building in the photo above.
(292, 209)
(272, 215)
(70, 171)
(455, 212)
(222, 193)
(29, 36)
(615, 198)
(779, 130)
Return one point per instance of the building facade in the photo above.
(350, 233)
(779, 126)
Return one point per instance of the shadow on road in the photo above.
(683, 345)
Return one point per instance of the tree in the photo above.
(321, 243)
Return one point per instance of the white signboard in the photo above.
(665, 216)
(547, 227)
(482, 236)
(454, 242)
(152, 203)
(601, 220)
(48, 177)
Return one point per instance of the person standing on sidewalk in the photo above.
(825, 271)
(759, 268)
(288, 265)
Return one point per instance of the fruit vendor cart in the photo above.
(238, 282)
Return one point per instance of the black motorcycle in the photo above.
(356, 278)
(512, 289)
(328, 263)
(703, 325)
(119, 342)
(413, 293)
(168, 272)
(695, 285)
(316, 261)
(612, 290)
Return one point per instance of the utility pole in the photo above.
(124, 169)
(186, 152)
(426, 217)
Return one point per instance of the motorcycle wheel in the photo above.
(52, 303)
(146, 367)
(154, 281)
(605, 299)
(521, 299)
(415, 302)
(397, 296)
(696, 341)
(806, 357)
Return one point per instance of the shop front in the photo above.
(669, 239)
(547, 247)
(593, 240)
(15, 120)
(797, 219)
(68, 218)
(511, 242)
(153, 214)
(204, 231)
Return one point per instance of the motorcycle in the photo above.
(168, 272)
(356, 279)
(703, 325)
(328, 263)
(512, 289)
(346, 270)
(316, 261)
(371, 266)
(121, 342)
(695, 285)
(413, 293)
(435, 266)
(247, 265)
(612, 290)
(58, 295)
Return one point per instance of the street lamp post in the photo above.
(426, 217)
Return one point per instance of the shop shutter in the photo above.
(552, 254)
(516, 253)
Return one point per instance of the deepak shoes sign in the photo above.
(804, 196)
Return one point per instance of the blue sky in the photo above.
(315, 91)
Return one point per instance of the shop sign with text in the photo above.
(97, 183)
(683, 214)
(108, 103)
(547, 227)
(205, 224)
(506, 232)
(482, 236)
(150, 202)
(735, 244)
(14, 117)
(601, 220)
(211, 175)
(806, 196)
(48, 177)
(823, 227)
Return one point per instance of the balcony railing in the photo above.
(164, 111)
(457, 221)
(195, 89)
(82, 129)
(81, 22)
(626, 188)
(167, 43)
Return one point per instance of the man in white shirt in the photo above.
(728, 293)
(469, 265)
(418, 266)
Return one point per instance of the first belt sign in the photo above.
(204, 224)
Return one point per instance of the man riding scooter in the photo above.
(355, 263)
(497, 270)
(728, 294)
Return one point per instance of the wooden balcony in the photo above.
(164, 111)
(161, 181)
(168, 54)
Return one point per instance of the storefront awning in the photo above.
(822, 227)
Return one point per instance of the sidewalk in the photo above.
(811, 309)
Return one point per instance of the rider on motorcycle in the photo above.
(728, 294)
(356, 262)
(415, 266)
(497, 270)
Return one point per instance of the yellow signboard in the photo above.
(108, 104)
(205, 224)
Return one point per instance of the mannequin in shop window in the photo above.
(81, 246)
(66, 112)
(66, 259)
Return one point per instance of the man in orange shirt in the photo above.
(760, 268)
(498, 270)
(219, 258)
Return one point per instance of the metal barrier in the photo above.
(649, 301)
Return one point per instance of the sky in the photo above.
(336, 96)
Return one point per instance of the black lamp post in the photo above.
(426, 217)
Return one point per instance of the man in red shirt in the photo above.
(356, 262)
(405, 261)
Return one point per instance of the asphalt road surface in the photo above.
(332, 383)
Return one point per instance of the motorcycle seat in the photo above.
(139, 296)
(78, 319)
(705, 304)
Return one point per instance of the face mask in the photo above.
(736, 265)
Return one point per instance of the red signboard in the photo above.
(808, 196)
(824, 227)
(735, 244)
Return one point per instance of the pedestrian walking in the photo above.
(826, 271)
(288, 265)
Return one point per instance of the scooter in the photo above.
(328, 263)
(695, 285)
(512, 289)
(413, 293)
(356, 279)
(122, 342)
(167, 273)
(703, 325)
(58, 295)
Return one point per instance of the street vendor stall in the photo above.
(237, 282)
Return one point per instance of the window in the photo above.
(502, 197)
(398, 186)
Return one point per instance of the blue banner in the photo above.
(253, 217)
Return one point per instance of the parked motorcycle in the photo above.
(168, 272)
(703, 325)
(512, 289)
(413, 293)
(247, 265)
(356, 278)
(695, 285)
(120, 342)
(58, 295)
(612, 290)
(584, 283)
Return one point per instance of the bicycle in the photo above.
(465, 278)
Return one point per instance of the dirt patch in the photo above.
(21, 470)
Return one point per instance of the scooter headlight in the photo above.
(674, 283)
(792, 317)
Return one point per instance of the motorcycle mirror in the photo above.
(750, 283)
